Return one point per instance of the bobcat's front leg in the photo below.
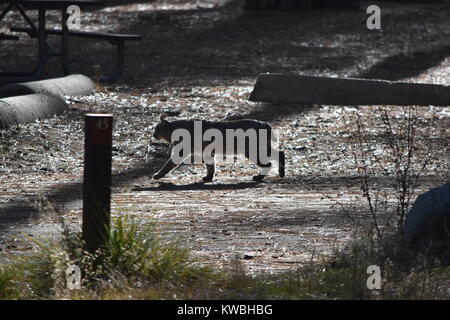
(166, 168)
(210, 168)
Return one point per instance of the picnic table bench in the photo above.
(8, 37)
(45, 49)
(116, 39)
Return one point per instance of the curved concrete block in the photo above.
(72, 85)
(280, 88)
(27, 108)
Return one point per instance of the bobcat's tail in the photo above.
(281, 164)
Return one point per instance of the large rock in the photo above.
(427, 224)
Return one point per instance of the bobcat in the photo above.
(225, 130)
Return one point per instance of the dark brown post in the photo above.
(97, 180)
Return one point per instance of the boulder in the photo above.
(427, 224)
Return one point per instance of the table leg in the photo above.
(42, 39)
(20, 76)
(11, 73)
(30, 23)
(4, 12)
(120, 57)
(65, 42)
(24, 15)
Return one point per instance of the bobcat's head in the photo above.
(162, 129)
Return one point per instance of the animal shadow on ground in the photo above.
(167, 186)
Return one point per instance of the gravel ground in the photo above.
(202, 58)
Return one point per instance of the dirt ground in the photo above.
(202, 58)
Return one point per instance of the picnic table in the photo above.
(40, 32)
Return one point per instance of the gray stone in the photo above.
(28, 108)
(279, 88)
(72, 85)
(427, 224)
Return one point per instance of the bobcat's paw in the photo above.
(207, 179)
(259, 177)
(157, 176)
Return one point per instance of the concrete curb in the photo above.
(27, 108)
(279, 88)
(72, 85)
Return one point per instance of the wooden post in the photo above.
(97, 180)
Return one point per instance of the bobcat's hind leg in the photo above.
(265, 170)
(281, 164)
(166, 168)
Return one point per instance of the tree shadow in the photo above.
(403, 66)
(271, 112)
(114, 3)
(19, 212)
(24, 211)
(222, 44)
(246, 44)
